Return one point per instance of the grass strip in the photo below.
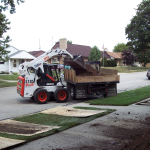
(7, 84)
(9, 77)
(124, 98)
(128, 69)
(65, 122)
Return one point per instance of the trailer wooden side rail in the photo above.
(105, 77)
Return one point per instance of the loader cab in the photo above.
(49, 77)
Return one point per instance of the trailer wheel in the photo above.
(41, 96)
(61, 95)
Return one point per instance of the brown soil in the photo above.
(124, 138)
(89, 71)
(13, 128)
(139, 141)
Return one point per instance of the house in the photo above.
(36, 53)
(104, 54)
(84, 51)
(73, 49)
(117, 57)
(16, 57)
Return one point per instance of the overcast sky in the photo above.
(84, 22)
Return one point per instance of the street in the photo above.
(130, 81)
(12, 105)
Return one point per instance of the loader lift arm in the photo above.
(38, 62)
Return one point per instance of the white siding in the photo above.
(23, 55)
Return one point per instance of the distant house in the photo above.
(73, 49)
(104, 54)
(84, 51)
(36, 53)
(117, 57)
(16, 57)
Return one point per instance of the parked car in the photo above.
(148, 74)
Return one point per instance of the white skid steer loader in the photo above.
(40, 81)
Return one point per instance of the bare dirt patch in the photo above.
(23, 128)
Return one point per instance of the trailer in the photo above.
(86, 87)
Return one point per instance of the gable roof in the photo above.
(115, 54)
(75, 49)
(105, 54)
(20, 54)
(36, 53)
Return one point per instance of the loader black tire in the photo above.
(61, 95)
(41, 96)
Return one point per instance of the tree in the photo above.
(138, 31)
(120, 47)
(4, 26)
(95, 54)
(128, 57)
(143, 57)
(69, 42)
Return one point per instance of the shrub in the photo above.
(4, 72)
(105, 62)
(15, 73)
(111, 63)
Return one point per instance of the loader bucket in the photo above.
(76, 62)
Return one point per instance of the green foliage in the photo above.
(104, 62)
(111, 63)
(138, 31)
(69, 42)
(128, 57)
(120, 47)
(4, 26)
(143, 57)
(95, 54)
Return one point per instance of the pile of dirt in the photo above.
(139, 141)
(89, 71)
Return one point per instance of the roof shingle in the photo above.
(114, 54)
(75, 49)
(36, 53)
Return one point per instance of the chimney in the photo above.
(63, 43)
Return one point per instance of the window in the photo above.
(54, 60)
(21, 61)
(1, 62)
(14, 63)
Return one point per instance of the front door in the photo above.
(14, 65)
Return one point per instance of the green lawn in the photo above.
(54, 120)
(7, 84)
(124, 98)
(9, 77)
(128, 69)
